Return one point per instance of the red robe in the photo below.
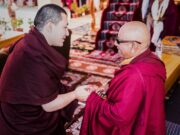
(29, 79)
(134, 104)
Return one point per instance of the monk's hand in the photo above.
(82, 92)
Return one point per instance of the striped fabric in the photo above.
(172, 128)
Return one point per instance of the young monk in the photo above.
(31, 95)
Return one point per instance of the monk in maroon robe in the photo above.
(31, 95)
(134, 101)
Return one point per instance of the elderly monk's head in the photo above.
(133, 39)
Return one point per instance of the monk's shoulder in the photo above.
(128, 71)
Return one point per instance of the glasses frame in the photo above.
(126, 41)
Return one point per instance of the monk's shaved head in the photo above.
(137, 31)
(133, 39)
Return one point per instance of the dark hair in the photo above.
(48, 13)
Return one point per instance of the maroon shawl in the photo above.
(134, 104)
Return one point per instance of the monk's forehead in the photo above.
(129, 33)
(133, 31)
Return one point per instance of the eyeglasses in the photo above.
(126, 41)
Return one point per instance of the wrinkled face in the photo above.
(133, 39)
(126, 47)
(59, 32)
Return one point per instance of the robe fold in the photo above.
(134, 103)
(30, 78)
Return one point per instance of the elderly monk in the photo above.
(31, 95)
(134, 101)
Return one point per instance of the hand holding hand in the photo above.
(82, 92)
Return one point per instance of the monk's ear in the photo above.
(135, 48)
(48, 27)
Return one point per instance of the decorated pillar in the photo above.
(93, 22)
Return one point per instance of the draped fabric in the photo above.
(134, 103)
(142, 11)
(170, 18)
(29, 79)
(157, 12)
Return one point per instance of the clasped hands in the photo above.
(83, 92)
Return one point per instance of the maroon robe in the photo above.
(171, 20)
(134, 103)
(29, 79)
